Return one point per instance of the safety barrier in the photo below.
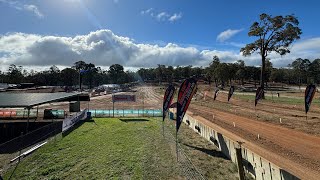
(126, 112)
(24, 113)
(259, 167)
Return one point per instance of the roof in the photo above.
(28, 100)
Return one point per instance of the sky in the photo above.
(143, 33)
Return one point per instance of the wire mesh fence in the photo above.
(186, 167)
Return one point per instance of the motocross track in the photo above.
(293, 144)
(293, 150)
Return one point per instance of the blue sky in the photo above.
(144, 32)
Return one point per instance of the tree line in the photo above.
(87, 73)
(300, 71)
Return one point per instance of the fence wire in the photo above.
(186, 167)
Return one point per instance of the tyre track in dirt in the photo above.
(296, 146)
(291, 118)
(299, 151)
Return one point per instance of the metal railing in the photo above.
(126, 112)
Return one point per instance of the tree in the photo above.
(213, 66)
(314, 70)
(274, 34)
(15, 74)
(116, 73)
(69, 77)
(301, 67)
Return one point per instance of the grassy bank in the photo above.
(121, 149)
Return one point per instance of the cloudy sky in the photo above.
(143, 33)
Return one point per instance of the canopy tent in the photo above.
(29, 100)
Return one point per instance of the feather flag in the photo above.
(309, 94)
(186, 92)
(231, 90)
(259, 95)
(167, 100)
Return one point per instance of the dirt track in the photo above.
(292, 150)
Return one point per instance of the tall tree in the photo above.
(301, 67)
(15, 74)
(117, 73)
(274, 34)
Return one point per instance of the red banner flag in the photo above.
(186, 92)
(167, 99)
(309, 94)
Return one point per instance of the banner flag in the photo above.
(215, 94)
(231, 90)
(309, 93)
(167, 100)
(186, 92)
(173, 105)
(259, 95)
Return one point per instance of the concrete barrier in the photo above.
(254, 164)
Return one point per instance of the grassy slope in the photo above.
(112, 149)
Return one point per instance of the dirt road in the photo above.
(293, 150)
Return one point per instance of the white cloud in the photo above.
(104, 48)
(227, 34)
(148, 11)
(34, 9)
(175, 17)
(23, 7)
(162, 16)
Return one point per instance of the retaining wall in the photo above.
(259, 167)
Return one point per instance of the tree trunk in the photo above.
(262, 75)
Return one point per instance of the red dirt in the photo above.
(293, 150)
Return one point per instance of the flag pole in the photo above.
(306, 116)
(163, 128)
(177, 144)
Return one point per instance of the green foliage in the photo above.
(274, 34)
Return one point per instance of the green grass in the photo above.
(115, 149)
(282, 100)
(109, 149)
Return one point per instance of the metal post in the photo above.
(37, 111)
(28, 120)
(239, 162)
(113, 109)
(80, 80)
(177, 144)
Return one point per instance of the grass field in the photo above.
(122, 149)
(283, 100)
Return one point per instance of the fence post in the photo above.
(239, 162)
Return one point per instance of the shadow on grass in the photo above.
(133, 120)
(67, 132)
(210, 152)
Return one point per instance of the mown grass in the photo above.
(114, 149)
(109, 149)
(282, 100)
